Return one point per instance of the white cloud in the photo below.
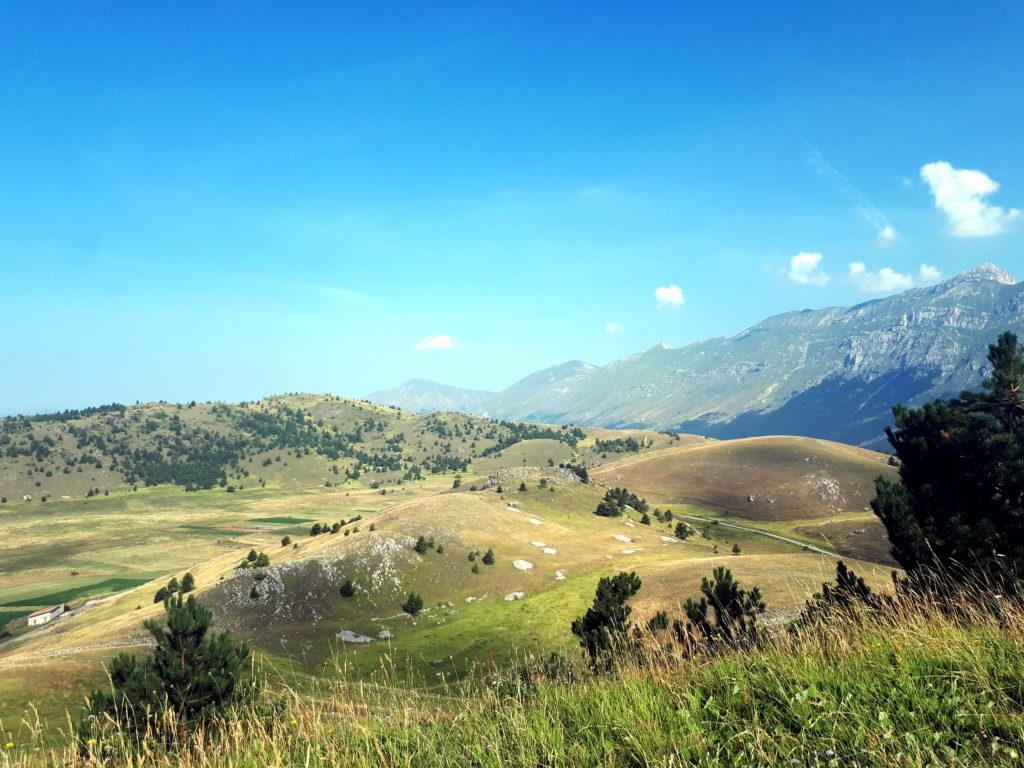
(435, 342)
(612, 327)
(888, 280)
(805, 269)
(960, 194)
(885, 280)
(669, 295)
(887, 236)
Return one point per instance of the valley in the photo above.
(494, 487)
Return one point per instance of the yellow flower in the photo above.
(91, 741)
(9, 745)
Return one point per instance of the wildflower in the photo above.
(9, 745)
(90, 742)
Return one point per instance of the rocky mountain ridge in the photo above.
(831, 373)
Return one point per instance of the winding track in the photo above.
(804, 545)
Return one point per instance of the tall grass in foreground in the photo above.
(911, 687)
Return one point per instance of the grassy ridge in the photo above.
(913, 690)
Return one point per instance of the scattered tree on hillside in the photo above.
(286, 541)
(645, 519)
(724, 616)
(191, 672)
(736, 548)
(347, 589)
(616, 500)
(604, 626)
(421, 546)
(488, 557)
(413, 604)
(960, 505)
(683, 531)
(188, 583)
(848, 593)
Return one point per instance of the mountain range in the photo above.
(833, 373)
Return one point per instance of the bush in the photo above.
(488, 557)
(413, 604)
(347, 589)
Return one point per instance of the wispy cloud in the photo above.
(436, 342)
(336, 293)
(886, 232)
(669, 295)
(612, 327)
(805, 269)
(960, 194)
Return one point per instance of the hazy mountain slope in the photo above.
(830, 373)
(550, 394)
(426, 396)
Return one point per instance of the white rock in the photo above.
(347, 636)
(511, 596)
(540, 544)
(522, 565)
(559, 575)
(385, 634)
(669, 539)
(630, 551)
(534, 521)
(624, 539)
(550, 551)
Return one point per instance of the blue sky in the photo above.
(227, 200)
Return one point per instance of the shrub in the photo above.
(347, 589)
(413, 604)
(286, 541)
(421, 546)
(488, 557)
(188, 583)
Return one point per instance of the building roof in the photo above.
(42, 611)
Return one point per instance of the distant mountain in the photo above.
(831, 373)
(426, 396)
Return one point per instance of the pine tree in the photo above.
(734, 610)
(192, 672)
(645, 520)
(421, 546)
(347, 589)
(603, 627)
(960, 505)
(488, 557)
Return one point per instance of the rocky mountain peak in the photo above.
(984, 272)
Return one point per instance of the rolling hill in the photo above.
(831, 373)
(105, 556)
